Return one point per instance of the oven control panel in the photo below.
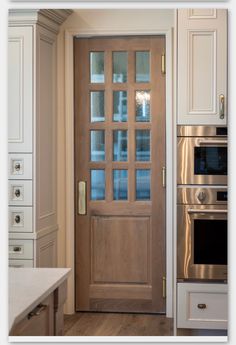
(202, 195)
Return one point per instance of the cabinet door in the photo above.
(202, 66)
(20, 89)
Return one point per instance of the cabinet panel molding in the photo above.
(202, 67)
(20, 89)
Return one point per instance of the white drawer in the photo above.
(20, 192)
(21, 263)
(20, 219)
(202, 306)
(21, 249)
(20, 166)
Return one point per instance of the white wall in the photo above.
(96, 21)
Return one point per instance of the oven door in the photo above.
(202, 160)
(202, 242)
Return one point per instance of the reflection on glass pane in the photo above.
(120, 145)
(120, 184)
(97, 146)
(120, 67)
(120, 106)
(142, 67)
(142, 145)
(142, 106)
(97, 185)
(97, 67)
(143, 184)
(97, 106)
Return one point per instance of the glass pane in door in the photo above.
(143, 184)
(120, 106)
(97, 182)
(120, 140)
(142, 67)
(120, 184)
(97, 145)
(97, 112)
(142, 106)
(97, 67)
(120, 62)
(142, 144)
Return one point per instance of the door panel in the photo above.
(119, 153)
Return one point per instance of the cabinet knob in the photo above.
(201, 306)
(17, 193)
(17, 219)
(17, 166)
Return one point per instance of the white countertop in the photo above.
(29, 286)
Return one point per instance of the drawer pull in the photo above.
(201, 306)
(17, 193)
(17, 219)
(17, 166)
(17, 249)
(37, 311)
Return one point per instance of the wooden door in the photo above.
(119, 156)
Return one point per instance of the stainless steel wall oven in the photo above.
(202, 155)
(202, 233)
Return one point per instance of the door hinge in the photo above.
(163, 63)
(164, 287)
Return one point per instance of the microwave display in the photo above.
(210, 241)
(210, 160)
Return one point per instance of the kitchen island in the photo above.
(36, 299)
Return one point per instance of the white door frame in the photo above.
(170, 155)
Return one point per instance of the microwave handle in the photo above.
(192, 210)
(212, 142)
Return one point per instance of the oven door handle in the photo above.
(214, 211)
(212, 142)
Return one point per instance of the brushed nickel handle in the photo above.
(212, 142)
(164, 177)
(17, 219)
(17, 166)
(222, 106)
(192, 210)
(17, 193)
(82, 198)
(201, 306)
(37, 311)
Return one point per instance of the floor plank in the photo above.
(117, 324)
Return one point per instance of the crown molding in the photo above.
(50, 19)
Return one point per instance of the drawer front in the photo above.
(20, 166)
(20, 193)
(202, 306)
(21, 263)
(39, 322)
(20, 219)
(21, 249)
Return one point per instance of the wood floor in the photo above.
(116, 324)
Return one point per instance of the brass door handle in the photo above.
(82, 209)
(222, 106)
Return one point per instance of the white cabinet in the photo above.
(32, 136)
(202, 66)
(202, 306)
